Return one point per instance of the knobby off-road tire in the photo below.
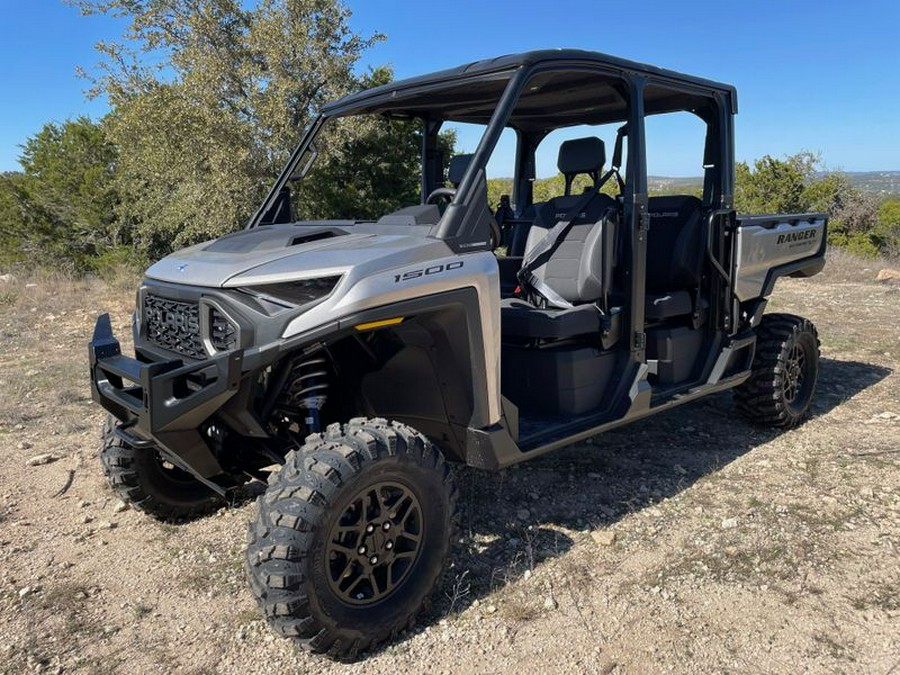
(140, 477)
(352, 536)
(785, 372)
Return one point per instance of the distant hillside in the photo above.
(881, 182)
(674, 185)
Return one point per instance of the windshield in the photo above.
(358, 167)
(368, 162)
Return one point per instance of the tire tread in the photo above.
(293, 505)
(122, 471)
(761, 399)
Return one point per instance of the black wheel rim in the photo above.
(374, 544)
(797, 378)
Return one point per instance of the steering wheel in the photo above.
(449, 193)
(441, 193)
(495, 232)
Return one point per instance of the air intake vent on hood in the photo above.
(269, 238)
(307, 238)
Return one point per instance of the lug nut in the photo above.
(389, 545)
(361, 550)
(370, 528)
(386, 527)
(374, 560)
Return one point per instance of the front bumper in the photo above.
(162, 404)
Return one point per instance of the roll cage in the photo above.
(497, 93)
(489, 92)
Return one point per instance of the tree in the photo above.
(368, 166)
(774, 185)
(497, 187)
(889, 212)
(794, 185)
(828, 193)
(210, 102)
(887, 230)
(60, 209)
(11, 219)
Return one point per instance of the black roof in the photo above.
(396, 95)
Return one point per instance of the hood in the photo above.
(276, 253)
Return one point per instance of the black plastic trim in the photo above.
(164, 401)
(468, 299)
(510, 62)
(494, 448)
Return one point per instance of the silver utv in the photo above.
(348, 361)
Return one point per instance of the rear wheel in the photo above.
(785, 371)
(143, 478)
(352, 536)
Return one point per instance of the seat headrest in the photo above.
(457, 168)
(581, 155)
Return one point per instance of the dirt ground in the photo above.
(689, 542)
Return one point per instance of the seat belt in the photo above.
(504, 212)
(541, 253)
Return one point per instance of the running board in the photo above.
(544, 442)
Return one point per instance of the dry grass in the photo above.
(846, 267)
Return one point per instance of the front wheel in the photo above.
(352, 536)
(141, 477)
(785, 371)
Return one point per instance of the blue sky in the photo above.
(811, 75)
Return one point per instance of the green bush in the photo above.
(857, 243)
(118, 261)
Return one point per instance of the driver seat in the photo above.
(457, 169)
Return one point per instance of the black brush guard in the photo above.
(161, 405)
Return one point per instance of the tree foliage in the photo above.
(209, 97)
(60, 209)
(774, 185)
(210, 100)
(367, 166)
(544, 189)
(795, 185)
(11, 219)
(887, 231)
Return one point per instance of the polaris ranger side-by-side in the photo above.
(349, 362)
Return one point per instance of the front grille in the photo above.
(174, 325)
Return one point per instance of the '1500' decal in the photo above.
(427, 271)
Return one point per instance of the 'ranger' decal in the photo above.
(789, 237)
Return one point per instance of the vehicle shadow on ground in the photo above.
(509, 519)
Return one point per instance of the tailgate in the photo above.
(770, 246)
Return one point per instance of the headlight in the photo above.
(293, 293)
